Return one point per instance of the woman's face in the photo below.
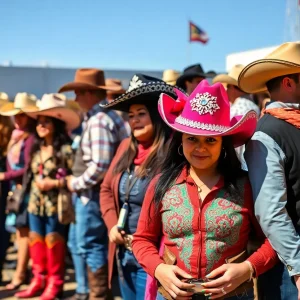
(44, 127)
(202, 152)
(21, 121)
(140, 123)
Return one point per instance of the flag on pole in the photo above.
(197, 34)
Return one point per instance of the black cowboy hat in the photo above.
(189, 73)
(143, 89)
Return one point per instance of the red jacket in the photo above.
(109, 201)
(201, 234)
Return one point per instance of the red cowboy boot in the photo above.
(37, 248)
(56, 266)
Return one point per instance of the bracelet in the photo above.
(251, 270)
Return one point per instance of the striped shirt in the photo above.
(103, 130)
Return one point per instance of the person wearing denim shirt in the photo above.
(137, 160)
(273, 162)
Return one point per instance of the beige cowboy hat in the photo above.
(230, 78)
(87, 79)
(56, 106)
(3, 98)
(170, 76)
(283, 60)
(22, 101)
(116, 83)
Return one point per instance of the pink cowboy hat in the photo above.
(206, 112)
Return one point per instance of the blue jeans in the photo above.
(78, 260)
(276, 284)
(133, 278)
(90, 239)
(45, 225)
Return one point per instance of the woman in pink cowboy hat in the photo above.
(201, 204)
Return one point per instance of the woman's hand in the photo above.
(231, 276)
(167, 276)
(2, 177)
(115, 236)
(46, 184)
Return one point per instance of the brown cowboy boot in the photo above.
(98, 282)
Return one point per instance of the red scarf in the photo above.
(143, 152)
(289, 115)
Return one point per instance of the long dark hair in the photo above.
(60, 138)
(153, 163)
(229, 167)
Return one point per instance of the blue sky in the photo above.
(135, 34)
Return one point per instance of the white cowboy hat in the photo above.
(22, 101)
(56, 106)
(284, 60)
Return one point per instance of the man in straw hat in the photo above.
(239, 99)
(273, 161)
(103, 130)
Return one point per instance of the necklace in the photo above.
(200, 187)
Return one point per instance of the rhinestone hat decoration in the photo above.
(205, 103)
(134, 83)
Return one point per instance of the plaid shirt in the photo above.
(103, 130)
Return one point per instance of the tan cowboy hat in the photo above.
(170, 76)
(283, 60)
(56, 106)
(87, 79)
(3, 98)
(115, 83)
(22, 101)
(230, 78)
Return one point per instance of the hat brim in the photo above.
(241, 127)
(146, 94)
(224, 78)
(254, 76)
(73, 86)
(67, 115)
(182, 78)
(9, 109)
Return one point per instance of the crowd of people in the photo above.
(179, 188)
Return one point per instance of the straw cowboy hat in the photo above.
(22, 101)
(283, 60)
(3, 98)
(170, 76)
(230, 78)
(56, 106)
(206, 112)
(87, 79)
(189, 73)
(117, 83)
(142, 89)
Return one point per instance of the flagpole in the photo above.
(188, 50)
